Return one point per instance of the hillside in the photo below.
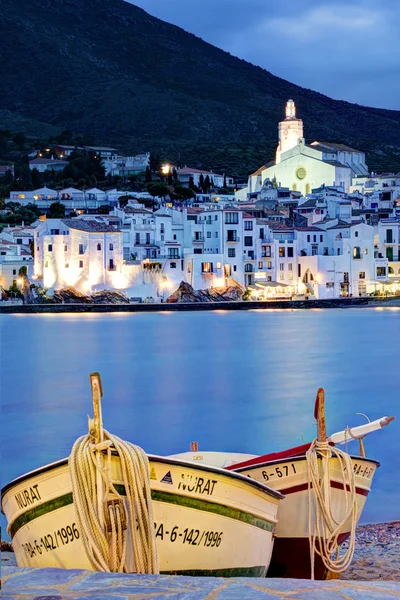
(109, 69)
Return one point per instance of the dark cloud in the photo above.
(347, 49)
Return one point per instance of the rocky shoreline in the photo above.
(377, 554)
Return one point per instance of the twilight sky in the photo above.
(346, 49)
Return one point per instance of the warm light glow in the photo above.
(165, 169)
(219, 265)
(219, 282)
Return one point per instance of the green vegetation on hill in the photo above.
(108, 69)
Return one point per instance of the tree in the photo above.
(207, 184)
(8, 177)
(183, 193)
(56, 211)
(19, 139)
(104, 210)
(148, 175)
(157, 189)
(36, 178)
(201, 182)
(224, 185)
(191, 183)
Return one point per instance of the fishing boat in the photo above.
(289, 473)
(207, 521)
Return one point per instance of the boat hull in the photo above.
(291, 552)
(200, 514)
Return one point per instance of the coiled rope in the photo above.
(324, 528)
(106, 519)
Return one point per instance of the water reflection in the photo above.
(243, 381)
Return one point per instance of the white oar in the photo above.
(356, 433)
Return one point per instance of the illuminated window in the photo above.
(356, 252)
(260, 264)
(365, 250)
(206, 267)
(269, 264)
(282, 251)
(66, 265)
(219, 265)
(361, 275)
(46, 264)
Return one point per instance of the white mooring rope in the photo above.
(106, 519)
(324, 528)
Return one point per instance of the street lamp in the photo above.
(165, 169)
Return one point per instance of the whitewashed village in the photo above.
(313, 224)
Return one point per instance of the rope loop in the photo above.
(325, 526)
(107, 519)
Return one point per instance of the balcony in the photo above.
(199, 239)
(231, 239)
(389, 241)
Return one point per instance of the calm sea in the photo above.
(239, 381)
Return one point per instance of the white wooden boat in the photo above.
(289, 476)
(208, 521)
(287, 472)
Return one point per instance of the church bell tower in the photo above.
(290, 131)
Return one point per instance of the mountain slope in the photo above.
(108, 68)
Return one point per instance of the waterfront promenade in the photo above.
(6, 308)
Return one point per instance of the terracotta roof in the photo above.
(262, 168)
(312, 228)
(308, 204)
(135, 211)
(332, 146)
(89, 226)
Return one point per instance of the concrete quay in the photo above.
(61, 584)
(393, 301)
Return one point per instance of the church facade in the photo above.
(303, 167)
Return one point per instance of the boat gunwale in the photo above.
(293, 459)
(154, 458)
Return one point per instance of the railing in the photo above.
(236, 239)
(198, 239)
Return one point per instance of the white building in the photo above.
(72, 198)
(302, 167)
(85, 254)
(123, 166)
(47, 164)
(216, 180)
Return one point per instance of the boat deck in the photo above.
(61, 584)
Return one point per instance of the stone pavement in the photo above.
(60, 584)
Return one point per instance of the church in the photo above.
(303, 167)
